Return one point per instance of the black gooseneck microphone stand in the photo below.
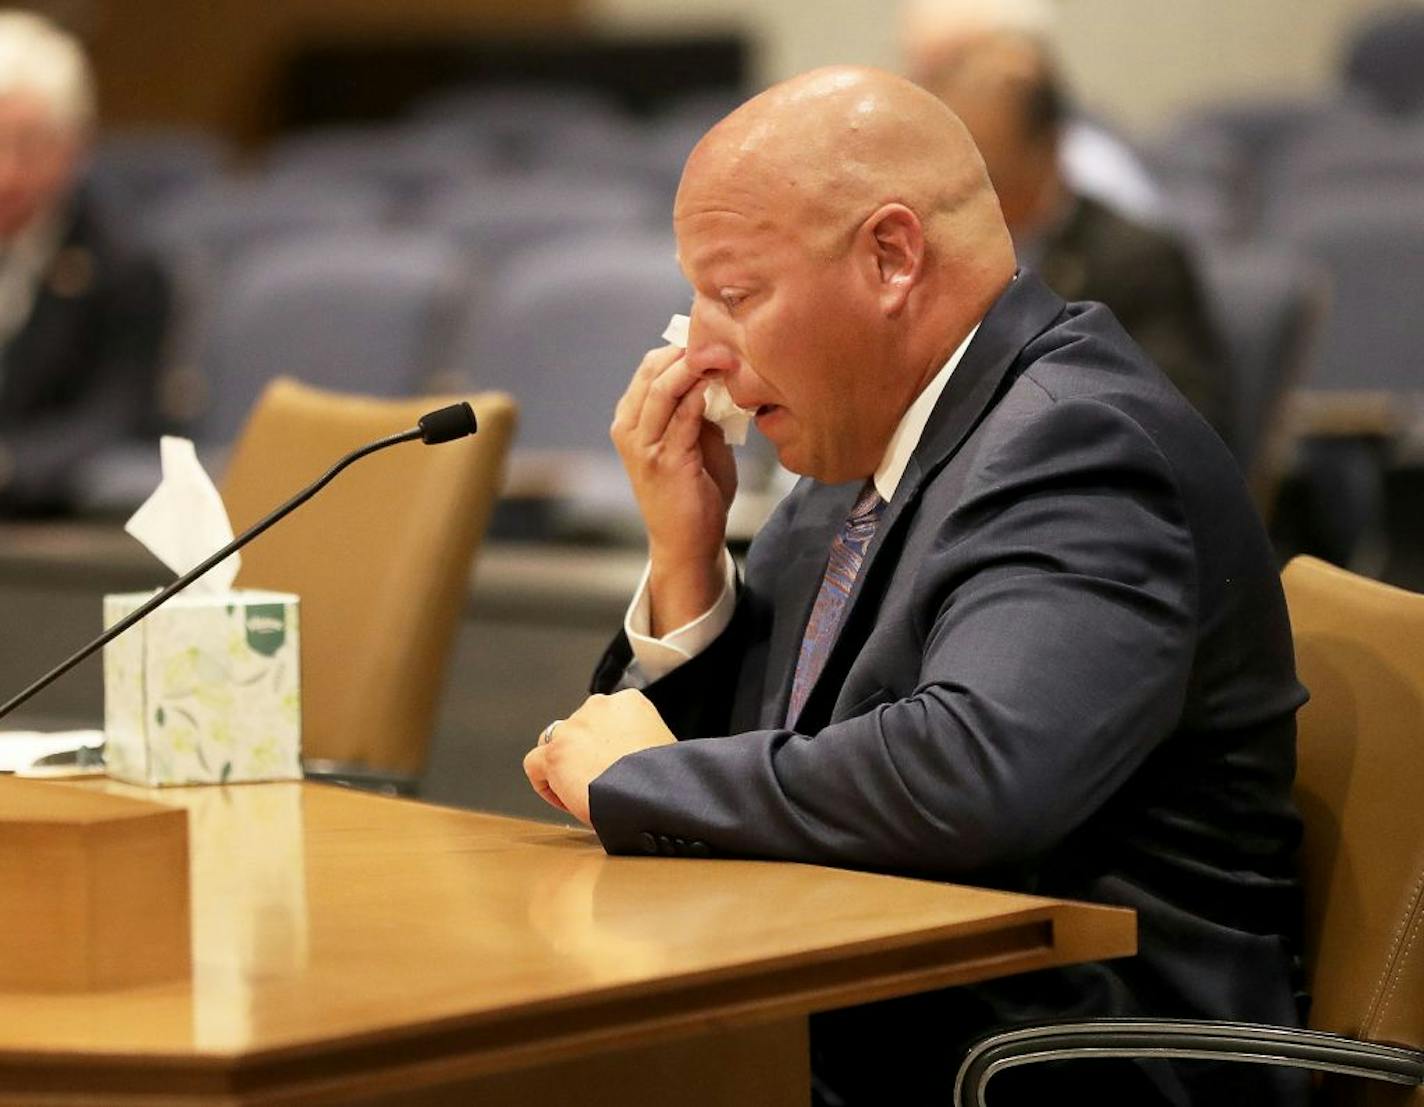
(443, 425)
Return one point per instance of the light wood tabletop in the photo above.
(349, 948)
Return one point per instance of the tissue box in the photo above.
(207, 689)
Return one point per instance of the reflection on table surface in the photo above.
(324, 914)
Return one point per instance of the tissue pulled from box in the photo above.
(206, 688)
(184, 522)
(717, 402)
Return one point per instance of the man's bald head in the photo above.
(816, 154)
(842, 238)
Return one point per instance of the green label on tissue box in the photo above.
(266, 627)
(206, 689)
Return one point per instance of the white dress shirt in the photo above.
(656, 657)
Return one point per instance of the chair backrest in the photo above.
(512, 121)
(380, 559)
(406, 163)
(1371, 243)
(562, 329)
(1256, 124)
(1381, 62)
(216, 221)
(1360, 787)
(1268, 306)
(646, 156)
(566, 325)
(1260, 132)
(135, 169)
(497, 218)
(368, 313)
(1348, 156)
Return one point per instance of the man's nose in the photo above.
(709, 352)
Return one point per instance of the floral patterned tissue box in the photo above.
(206, 690)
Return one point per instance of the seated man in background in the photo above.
(1093, 158)
(1020, 626)
(82, 317)
(1005, 88)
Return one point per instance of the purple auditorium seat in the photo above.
(369, 311)
(496, 217)
(562, 329)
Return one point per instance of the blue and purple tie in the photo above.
(847, 554)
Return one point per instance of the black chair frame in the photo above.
(1182, 1040)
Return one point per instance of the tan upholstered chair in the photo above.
(1360, 786)
(380, 559)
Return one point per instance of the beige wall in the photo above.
(1170, 55)
(1137, 60)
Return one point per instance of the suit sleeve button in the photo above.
(699, 849)
(650, 844)
(665, 845)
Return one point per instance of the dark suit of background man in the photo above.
(1004, 86)
(82, 316)
(1063, 665)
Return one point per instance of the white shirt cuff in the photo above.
(654, 658)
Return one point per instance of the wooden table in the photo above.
(351, 949)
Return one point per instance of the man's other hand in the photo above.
(589, 741)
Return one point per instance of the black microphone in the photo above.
(447, 424)
(444, 425)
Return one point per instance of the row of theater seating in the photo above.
(559, 325)
(519, 241)
(1341, 186)
(499, 134)
(513, 239)
(384, 311)
(1338, 183)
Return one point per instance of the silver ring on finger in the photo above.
(547, 734)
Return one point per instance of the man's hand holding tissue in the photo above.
(684, 477)
(582, 746)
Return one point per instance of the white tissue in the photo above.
(676, 332)
(717, 405)
(184, 521)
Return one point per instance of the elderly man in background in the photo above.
(1005, 87)
(1093, 159)
(82, 316)
(1019, 625)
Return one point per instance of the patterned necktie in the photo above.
(842, 567)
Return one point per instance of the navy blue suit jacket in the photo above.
(1065, 668)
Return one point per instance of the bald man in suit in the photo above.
(1018, 625)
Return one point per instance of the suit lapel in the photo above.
(1023, 311)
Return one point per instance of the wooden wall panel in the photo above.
(216, 63)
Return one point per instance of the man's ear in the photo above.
(896, 243)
